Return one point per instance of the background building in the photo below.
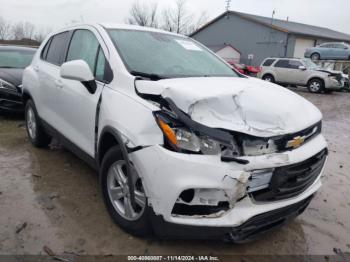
(255, 37)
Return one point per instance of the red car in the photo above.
(245, 69)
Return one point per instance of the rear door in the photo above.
(76, 105)
(48, 70)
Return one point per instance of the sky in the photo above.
(59, 13)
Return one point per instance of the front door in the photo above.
(76, 104)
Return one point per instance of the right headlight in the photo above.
(182, 139)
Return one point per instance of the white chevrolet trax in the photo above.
(185, 147)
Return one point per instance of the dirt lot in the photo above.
(51, 198)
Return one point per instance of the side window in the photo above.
(46, 48)
(294, 64)
(282, 63)
(84, 46)
(100, 66)
(325, 46)
(268, 62)
(57, 48)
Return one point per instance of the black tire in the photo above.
(141, 226)
(38, 137)
(315, 57)
(268, 78)
(315, 85)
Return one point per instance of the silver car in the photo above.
(301, 72)
(336, 51)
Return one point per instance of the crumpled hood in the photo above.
(246, 105)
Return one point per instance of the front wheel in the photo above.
(315, 86)
(115, 184)
(35, 131)
(315, 57)
(268, 78)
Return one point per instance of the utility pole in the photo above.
(228, 5)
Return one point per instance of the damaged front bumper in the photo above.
(178, 185)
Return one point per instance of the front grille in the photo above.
(290, 181)
(308, 133)
(252, 145)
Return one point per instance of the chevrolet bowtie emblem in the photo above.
(296, 142)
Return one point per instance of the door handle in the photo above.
(59, 83)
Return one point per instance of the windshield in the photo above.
(310, 65)
(16, 58)
(166, 56)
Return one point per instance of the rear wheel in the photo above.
(315, 86)
(115, 183)
(35, 131)
(268, 78)
(315, 57)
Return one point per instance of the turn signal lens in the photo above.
(168, 132)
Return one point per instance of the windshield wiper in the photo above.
(153, 77)
(7, 67)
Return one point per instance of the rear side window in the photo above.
(56, 50)
(85, 46)
(268, 62)
(282, 64)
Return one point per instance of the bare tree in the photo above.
(5, 29)
(23, 30)
(143, 15)
(174, 19)
(40, 35)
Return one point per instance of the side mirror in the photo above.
(303, 68)
(80, 71)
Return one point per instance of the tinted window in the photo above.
(84, 46)
(294, 64)
(56, 52)
(268, 62)
(16, 58)
(326, 45)
(282, 64)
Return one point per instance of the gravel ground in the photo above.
(51, 198)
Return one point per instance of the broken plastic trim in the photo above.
(219, 135)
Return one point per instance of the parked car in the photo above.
(13, 60)
(336, 51)
(245, 69)
(300, 72)
(184, 146)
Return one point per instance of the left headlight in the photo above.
(7, 85)
(182, 139)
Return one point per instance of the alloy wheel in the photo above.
(119, 192)
(31, 123)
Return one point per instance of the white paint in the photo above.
(189, 45)
(77, 70)
(301, 44)
(246, 105)
(228, 53)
